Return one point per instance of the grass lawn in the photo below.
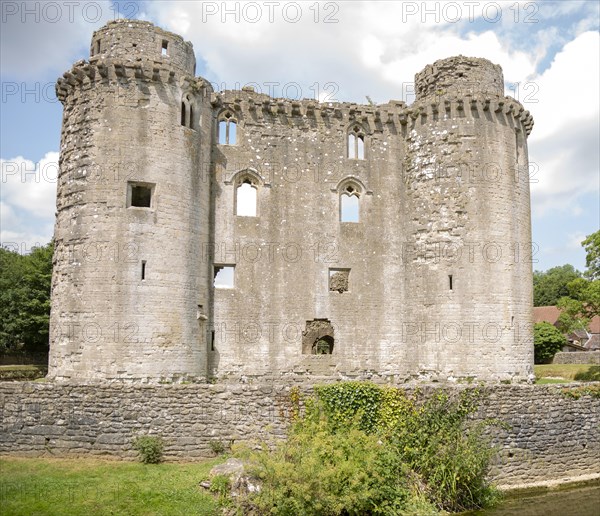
(559, 373)
(22, 372)
(97, 487)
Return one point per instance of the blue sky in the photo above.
(344, 51)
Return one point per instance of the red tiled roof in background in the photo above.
(550, 314)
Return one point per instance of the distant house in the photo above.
(578, 340)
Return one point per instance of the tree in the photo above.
(591, 245)
(547, 340)
(550, 286)
(25, 300)
(580, 306)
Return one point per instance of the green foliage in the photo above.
(580, 306)
(366, 449)
(547, 340)
(550, 286)
(578, 392)
(217, 446)
(318, 471)
(592, 260)
(348, 402)
(221, 486)
(25, 300)
(591, 375)
(150, 448)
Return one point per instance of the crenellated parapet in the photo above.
(494, 108)
(258, 106)
(108, 71)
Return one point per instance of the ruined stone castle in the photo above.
(230, 235)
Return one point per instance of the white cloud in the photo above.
(39, 38)
(370, 51)
(28, 200)
(564, 141)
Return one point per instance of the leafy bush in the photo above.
(317, 471)
(547, 340)
(217, 446)
(150, 448)
(577, 392)
(365, 449)
(591, 375)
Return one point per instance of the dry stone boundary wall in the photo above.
(550, 436)
(578, 357)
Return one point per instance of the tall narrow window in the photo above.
(97, 47)
(143, 270)
(356, 143)
(227, 129)
(187, 111)
(246, 197)
(352, 146)
(165, 45)
(349, 205)
(450, 285)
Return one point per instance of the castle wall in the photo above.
(468, 277)
(283, 256)
(549, 436)
(126, 285)
(432, 281)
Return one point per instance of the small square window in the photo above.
(224, 276)
(139, 195)
(339, 280)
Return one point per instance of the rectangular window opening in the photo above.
(212, 340)
(339, 280)
(97, 47)
(165, 45)
(143, 270)
(450, 281)
(224, 276)
(139, 195)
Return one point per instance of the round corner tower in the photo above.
(469, 279)
(131, 281)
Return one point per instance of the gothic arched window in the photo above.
(227, 129)
(350, 204)
(356, 143)
(246, 199)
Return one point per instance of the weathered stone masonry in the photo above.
(436, 271)
(551, 437)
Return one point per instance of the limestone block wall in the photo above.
(436, 264)
(577, 357)
(468, 285)
(128, 289)
(550, 435)
(295, 153)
